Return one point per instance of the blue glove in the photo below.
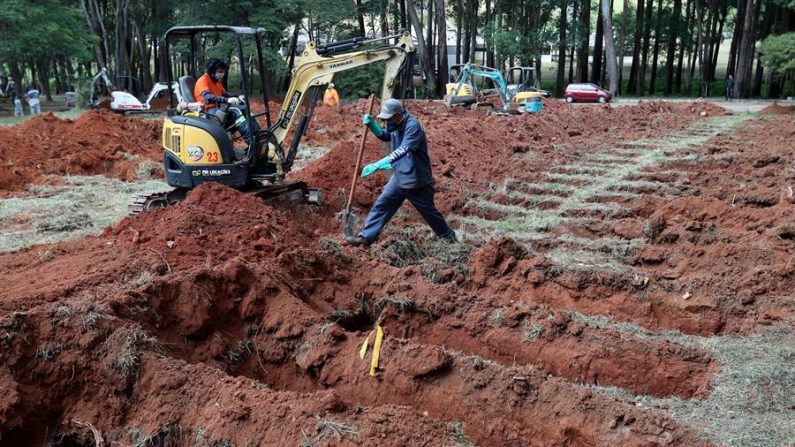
(369, 121)
(383, 164)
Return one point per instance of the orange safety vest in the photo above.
(206, 84)
(331, 98)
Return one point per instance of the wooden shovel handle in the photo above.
(370, 103)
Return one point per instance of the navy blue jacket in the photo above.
(411, 164)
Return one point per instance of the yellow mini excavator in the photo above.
(199, 148)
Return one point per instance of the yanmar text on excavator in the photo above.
(200, 147)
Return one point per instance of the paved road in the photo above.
(752, 105)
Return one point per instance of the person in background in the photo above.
(210, 91)
(13, 92)
(32, 97)
(331, 98)
(729, 87)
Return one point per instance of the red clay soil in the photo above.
(225, 316)
(225, 320)
(96, 143)
(777, 109)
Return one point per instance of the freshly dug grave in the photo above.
(226, 321)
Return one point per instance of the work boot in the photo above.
(357, 241)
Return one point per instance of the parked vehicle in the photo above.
(586, 93)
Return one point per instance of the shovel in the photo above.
(349, 220)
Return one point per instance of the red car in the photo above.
(586, 93)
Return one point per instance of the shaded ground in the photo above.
(617, 268)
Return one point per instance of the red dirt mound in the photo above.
(777, 109)
(98, 142)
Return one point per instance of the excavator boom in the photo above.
(317, 70)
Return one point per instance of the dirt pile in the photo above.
(777, 109)
(98, 142)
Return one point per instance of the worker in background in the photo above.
(729, 88)
(13, 92)
(331, 98)
(32, 96)
(210, 91)
(411, 174)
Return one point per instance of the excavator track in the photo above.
(279, 192)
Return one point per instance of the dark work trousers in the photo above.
(390, 200)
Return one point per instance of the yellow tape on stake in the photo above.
(379, 336)
(363, 349)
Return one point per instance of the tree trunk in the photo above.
(430, 38)
(428, 80)
(767, 22)
(467, 25)
(683, 47)
(596, 73)
(657, 29)
(745, 57)
(383, 22)
(490, 56)
(673, 31)
(441, 26)
(574, 41)
(610, 49)
(562, 48)
(739, 21)
(649, 8)
(718, 38)
(634, 72)
(473, 47)
(360, 17)
(94, 20)
(458, 27)
(585, 29)
(622, 45)
(121, 52)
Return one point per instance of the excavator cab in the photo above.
(524, 79)
(199, 147)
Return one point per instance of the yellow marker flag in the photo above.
(363, 349)
(379, 336)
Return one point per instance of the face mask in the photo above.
(393, 127)
(218, 76)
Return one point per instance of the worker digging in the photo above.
(411, 178)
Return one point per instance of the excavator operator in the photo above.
(210, 91)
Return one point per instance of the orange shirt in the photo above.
(331, 98)
(206, 84)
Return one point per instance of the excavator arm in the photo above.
(317, 68)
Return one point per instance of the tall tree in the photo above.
(670, 55)
(585, 40)
(441, 26)
(656, 52)
(561, 78)
(596, 73)
(428, 78)
(634, 72)
(645, 47)
(745, 57)
(610, 49)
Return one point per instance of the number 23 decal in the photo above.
(212, 157)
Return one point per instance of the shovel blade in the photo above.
(349, 223)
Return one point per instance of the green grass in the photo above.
(80, 206)
(752, 399)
